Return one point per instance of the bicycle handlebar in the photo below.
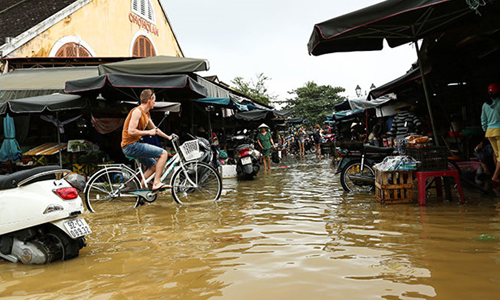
(174, 137)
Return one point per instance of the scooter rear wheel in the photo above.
(353, 179)
(104, 190)
(70, 247)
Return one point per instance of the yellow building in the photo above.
(86, 28)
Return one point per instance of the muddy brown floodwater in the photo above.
(290, 234)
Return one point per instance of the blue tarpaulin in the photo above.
(10, 150)
(214, 101)
(346, 113)
(224, 102)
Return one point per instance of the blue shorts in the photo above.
(145, 153)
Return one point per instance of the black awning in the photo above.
(397, 21)
(129, 87)
(253, 115)
(412, 76)
(160, 64)
(342, 106)
(40, 104)
(294, 121)
(282, 113)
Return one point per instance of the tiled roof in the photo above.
(17, 16)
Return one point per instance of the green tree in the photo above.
(255, 90)
(314, 102)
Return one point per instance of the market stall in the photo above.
(396, 21)
(51, 105)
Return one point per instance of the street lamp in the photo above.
(358, 91)
(372, 87)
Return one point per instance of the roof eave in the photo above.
(34, 31)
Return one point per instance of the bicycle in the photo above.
(118, 184)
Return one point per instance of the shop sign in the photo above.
(150, 28)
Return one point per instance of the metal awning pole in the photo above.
(209, 126)
(59, 139)
(426, 92)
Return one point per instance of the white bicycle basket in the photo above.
(191, 150)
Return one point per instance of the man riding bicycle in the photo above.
(138, 124)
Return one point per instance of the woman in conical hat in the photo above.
(265, 142)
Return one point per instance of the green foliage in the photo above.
(254, 90)
(314, 102)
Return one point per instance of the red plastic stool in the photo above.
(422, 177)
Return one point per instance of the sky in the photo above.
(244, 38)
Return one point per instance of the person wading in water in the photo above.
(137, 124)
(266, 143)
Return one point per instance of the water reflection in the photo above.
(290, 234)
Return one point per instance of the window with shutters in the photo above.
(143, 47)
(144, 9)
(73, 50)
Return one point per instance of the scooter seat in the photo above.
(10, 181)
(375, 149)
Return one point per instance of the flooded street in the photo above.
(290, 234)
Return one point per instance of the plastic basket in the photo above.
(191, 150)
(431, 158)
(468, 166)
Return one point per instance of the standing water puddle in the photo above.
(289, 234)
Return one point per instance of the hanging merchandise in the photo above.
(10, 150)
(56, 122)
(107, 125)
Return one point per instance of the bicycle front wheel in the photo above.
(196, 182)
(104, 190)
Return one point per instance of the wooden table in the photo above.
(39, 154)
(45, 149)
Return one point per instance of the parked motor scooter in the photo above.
(309, 143)
(245, 156)
(39, 220)
(208, 154)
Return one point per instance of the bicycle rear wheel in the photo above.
(103, 191)
(196, 182)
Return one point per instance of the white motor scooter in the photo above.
(39, 220)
